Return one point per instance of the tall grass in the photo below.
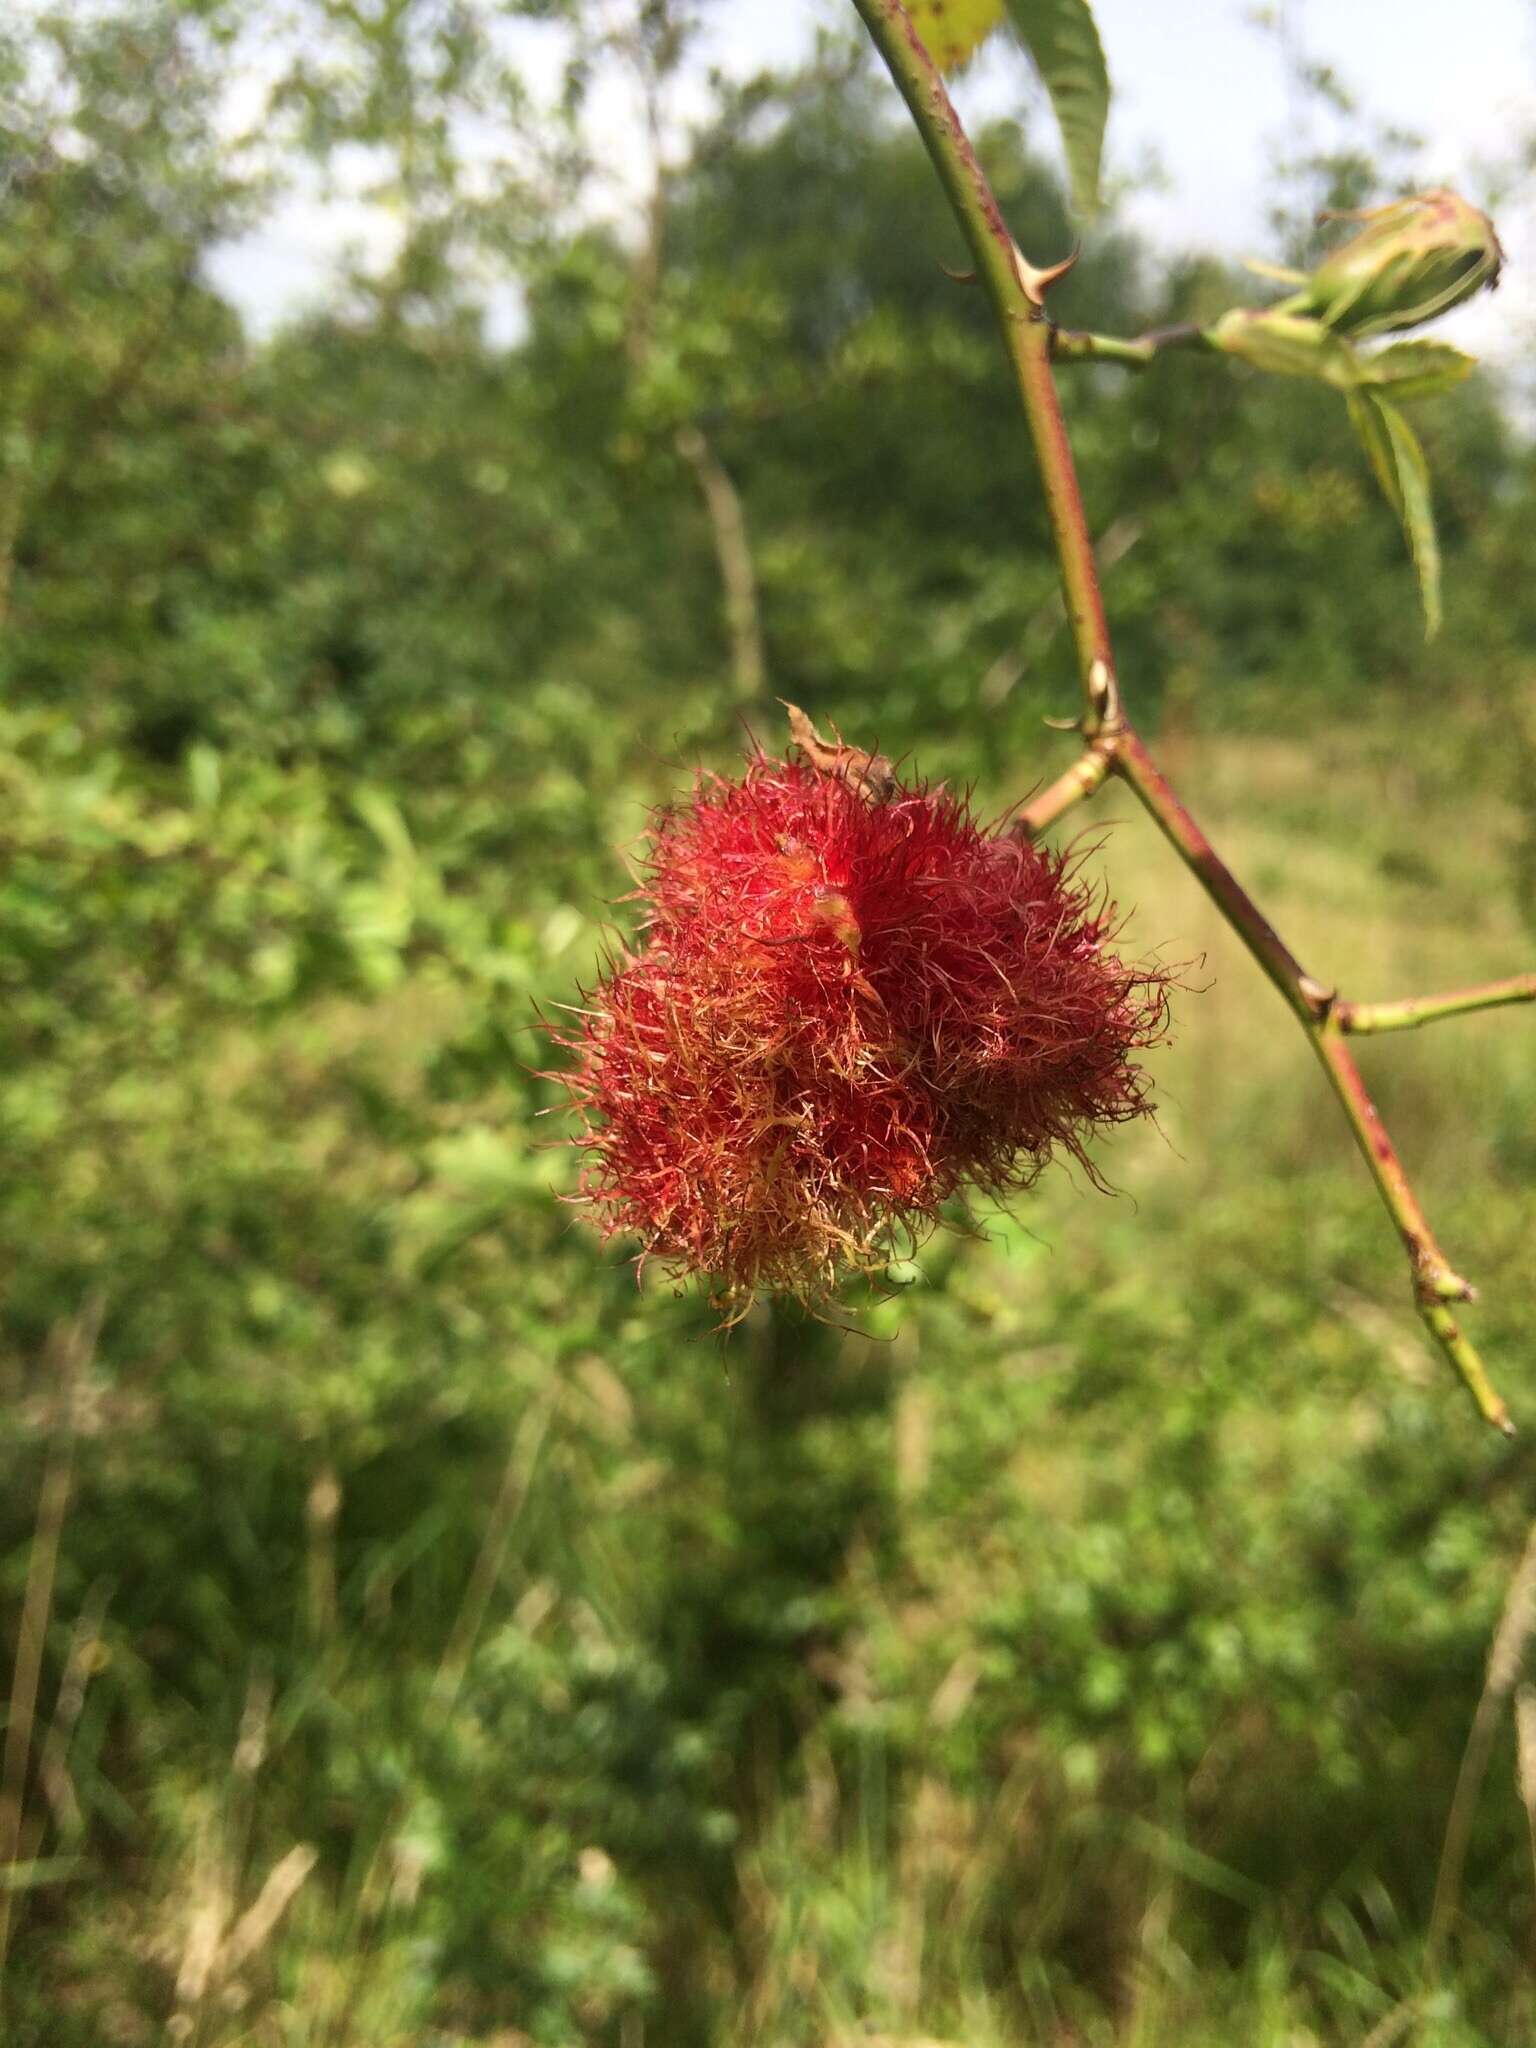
(1082, 1659)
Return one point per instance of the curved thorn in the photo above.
(1036, 283)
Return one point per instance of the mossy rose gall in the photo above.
(850, 1003)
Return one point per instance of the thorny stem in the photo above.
(1436, 1283)
(1017, 293)
(1133, 764)
(1434, 1278)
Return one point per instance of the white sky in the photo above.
(1200, 93)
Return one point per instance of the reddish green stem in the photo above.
(1017, 292)
(1435, 1281)
(1135, 765)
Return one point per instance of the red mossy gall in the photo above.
(850, 1003)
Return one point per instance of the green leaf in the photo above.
(1417, 369)
(1285, 345)
(1190, 1862)
(953, 30)
(1277, 273)
(381, 814)
(1063, 42)
(1403, 474)
(1365, 412)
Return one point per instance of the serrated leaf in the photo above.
(1063, 42)
(953, 30)
(1402, 472)
(1417, 369)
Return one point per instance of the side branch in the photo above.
(1360, 1018)
(1071, 345)
(1086, 775)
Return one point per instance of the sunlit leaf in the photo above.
(1063, 42)
(1403, 474)
(953, 30)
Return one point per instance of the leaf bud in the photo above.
(1411, 260)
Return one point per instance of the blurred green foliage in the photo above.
(1081, 1655)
